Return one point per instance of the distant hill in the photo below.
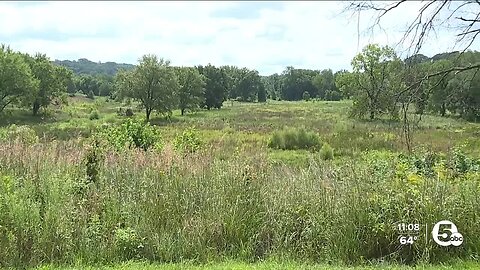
(85, 66)
(420, 58)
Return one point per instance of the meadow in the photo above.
(68, 199)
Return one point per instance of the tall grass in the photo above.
(166, 207)
(292, 139)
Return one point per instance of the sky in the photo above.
(266, 36)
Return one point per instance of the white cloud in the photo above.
(302, 34)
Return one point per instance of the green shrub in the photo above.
(24, 134)
(132, 133)
(120, 111)
(128, 112)
(276, 141)
(306, 96)
(127, 243)
(94, 115)
(333, 95)
(93, 158)
(292, 139)
(326, 152)
(188, 141)
(91, 95)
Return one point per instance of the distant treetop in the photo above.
(85, 66)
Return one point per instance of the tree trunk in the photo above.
(147, 114)
(372, 114)
(443, 110)
(182, 111)
(35, 108)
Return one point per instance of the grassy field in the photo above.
(251, 125)
(66, 200)
(266, 266)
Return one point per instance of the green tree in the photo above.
(16, 79)
(261, 92)
(439, 94)
(324, 82)
(345, 83)
(192, 89)
(88, 84)
(297, 81)
(153, 83)
(216, 87)
(245, 84)
(273, 86)
(72, 85)
(53, 81)
(464, 95)
(248, 84)
(376, 78)
(105, 85)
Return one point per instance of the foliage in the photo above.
(91, 95)
(273, 85)
(16, 80)
(189, 141)
(88, 85)
(53, 81)
(192, 89)
(153, 83)
(93, 159)
(94, 115)
(345, 82)
(447, 93)
(216, 88)
(154, 207)
(128, 112)
(127, 243)
(375, 80)
(261, 93)
(245, 84)
(23, 134)
(324, 82)
(295, 82)
(292, 139)
(326, 152)
(87, 67)
(132, 134)
(306, 96)
(333, 95)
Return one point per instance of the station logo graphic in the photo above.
(445, 233)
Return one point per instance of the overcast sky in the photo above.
(267, 36)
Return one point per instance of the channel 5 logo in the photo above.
(445, 233)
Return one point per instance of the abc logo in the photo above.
(441, 237)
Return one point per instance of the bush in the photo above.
(306, 96)
(24, 134)
(292, 139)
(91, 95)
(132, 133)
(94, 115)
(326, 152)
(188, 141)
(333, 95)
(127, 243)
(128, 112)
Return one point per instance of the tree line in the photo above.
(382, 83)
(376, 83)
